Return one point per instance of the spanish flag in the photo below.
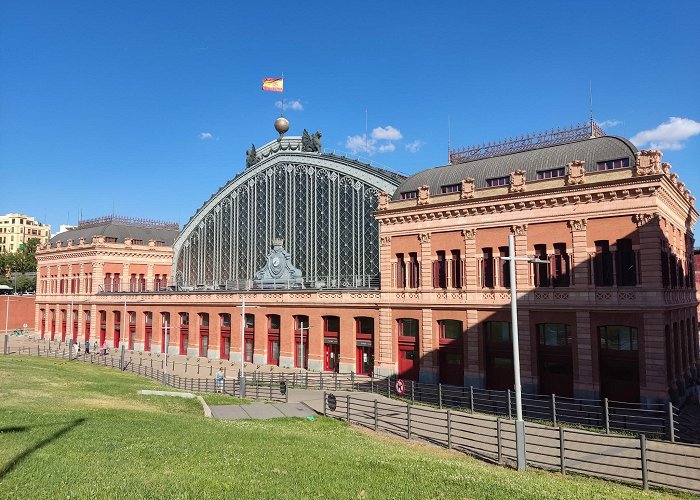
(273, 84)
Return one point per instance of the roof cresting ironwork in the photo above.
(527, 142)
(128, 221)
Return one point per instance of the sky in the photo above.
(145, 109)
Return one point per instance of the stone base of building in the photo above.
(259, 359)
(384, 371)
(286, 362)
(346, 367)
(474, 381)
(315, 365)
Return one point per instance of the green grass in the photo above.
(221, 399)
(70, 430)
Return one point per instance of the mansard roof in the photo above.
(591, 151)
(120, 228)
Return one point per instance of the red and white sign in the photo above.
(400, 386)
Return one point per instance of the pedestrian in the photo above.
(95, 347)
(104, 348)
(87, 346)
(220, 380)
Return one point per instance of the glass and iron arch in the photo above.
(320, 204)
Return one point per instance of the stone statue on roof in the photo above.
(251, 156)
(311, 143)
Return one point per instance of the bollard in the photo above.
(471, 398)
(376, 416)
(440, 396)
(554, 410)
(606, 415)
(388, 386)
(643, 456)
(5, 343)
(562, 450)
(352, 381)
(408, 420)
(449, 430)
(347, 407)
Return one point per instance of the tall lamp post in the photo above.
(241, 380)
(519, 423)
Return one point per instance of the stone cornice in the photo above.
(572, 195)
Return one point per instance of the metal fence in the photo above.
(635, 460)
(659, 421)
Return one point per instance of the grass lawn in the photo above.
(70, 430)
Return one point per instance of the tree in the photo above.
(26, 284)
(22, 261)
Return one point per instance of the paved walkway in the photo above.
(261, 411)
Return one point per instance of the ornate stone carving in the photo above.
(311, 143)
(469, 233)
(666, 168)
(385, 240)
(81, 241)
(648, 162)
(424, 195)
(467, 188)
(643, 219)
(578, 224)
(382, 200)
(517, 182)
(519, 229)
(674, 178)
(424, 237)
(251, 157)
(575, 172)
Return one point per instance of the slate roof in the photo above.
(590, 150)
(119, 231)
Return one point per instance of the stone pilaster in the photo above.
(286, 340)
(653, 386)
(125, 279)
(98, 276)
(385, 260)
(426, 271)
(470, 278)
(428, 362)
(385, 358)
(522, 271)
(584, 384)
(316, 347)
(650, 235)
(347, 346)
(528, 372)
(579, 251)
(473, 375)
(149, 277)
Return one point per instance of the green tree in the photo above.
(26, 284)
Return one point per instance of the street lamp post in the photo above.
(519, 423)
(241, 382)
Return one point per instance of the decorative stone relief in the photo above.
(385, 240)
(81, 241)
(424, 237)
(469, 233)
(648, 162)
(517, 182)
(578, 224)
(467, 188)
(424, 195)
(519, 230)
(643, 219)
(575, 172)
(382, 200)
(666, 168)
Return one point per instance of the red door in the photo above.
(364, 359)
(75, 328)
(225, 346)
(330, 357)
(408, 362)
(452, 365)
(273, 350)
(184, 342)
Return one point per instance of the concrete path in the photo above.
(262, 411)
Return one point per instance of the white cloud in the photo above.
(360, 144)
(294, 105)
(206, 136)
(668, 135)
(610, 123)
(387, 147)
(414, 147)
(387, 133)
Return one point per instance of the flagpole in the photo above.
(282, 110)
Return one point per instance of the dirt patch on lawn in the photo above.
(116, 404)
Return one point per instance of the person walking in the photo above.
(220, 380)
(87, 346)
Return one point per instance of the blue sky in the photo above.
(148, 107)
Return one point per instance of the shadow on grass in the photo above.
(10, 466)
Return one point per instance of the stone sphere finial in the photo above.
(281, 125)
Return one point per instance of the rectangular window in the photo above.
(184, 319)
(414, 270)
(626, 260)
(552, 172)
(225, 320)
(560, 266)
(451, 188)
(612, 164)
(456, 269)
(204, 319)
(249, 321)
(274, 320)
(400, 271)
(541, 270)
(450, 329)
(110, 239)
(487, 274)
(504, 266)
(497, 331)
(409, 195)
(553, 334)
(618, 338)
(603, 264)
(408, 327)
(331, 324)
(440, 271)
(498, 181)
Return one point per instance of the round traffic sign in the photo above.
(332, 405)
(400, 386)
